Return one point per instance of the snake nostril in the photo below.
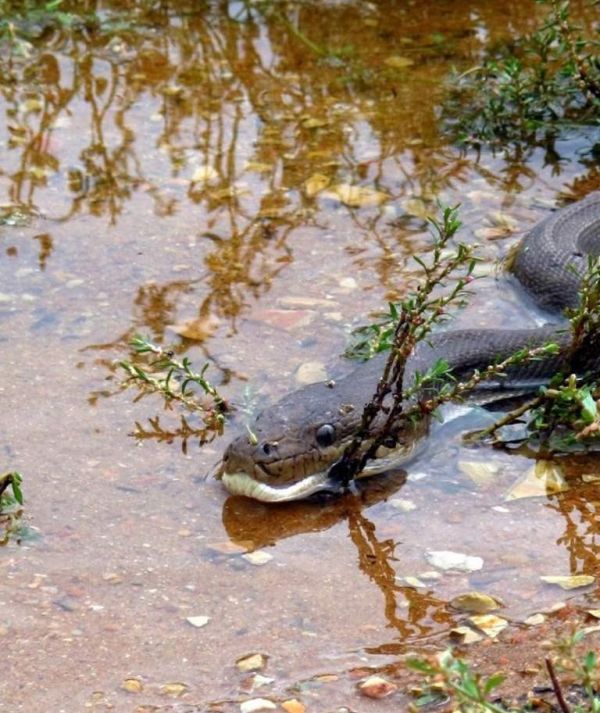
(266, 448)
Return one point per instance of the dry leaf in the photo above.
(475, 603)
(573, 581)
(315, 184)
(544, 478)
(357, 196)
(258, 167)
(314, 123)
(398, 62)
(490, 624)
(480, 472)
(465, 634)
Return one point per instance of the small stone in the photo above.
(132, 685)
(257, 704)
(348, 283)
(465, 634)
(174, 689)
(293, 705)
(251, 662)
(414, 582)
(402, 504)
(198, 621)
(475, 603)
(377, 687)
(490, 624)
(444, 559)
(570, 581)
(535, 620)
(258, 557)
(311, 372)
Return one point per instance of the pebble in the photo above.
(348, 283)
(132, 685)
(293, 705)
(198, 621)
(258, 557)
(175, 689)
(311, 372)
(377, 687)
(444, 559)
(251, 662)
(257, 704)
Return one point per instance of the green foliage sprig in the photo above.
(11, 504)
(527, 92)
(410, 321)
(449, 679)
(566, 414)
(177, 382)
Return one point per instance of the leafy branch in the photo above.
(410, 322)
(177, 382)
(10, 505)
(525, 93)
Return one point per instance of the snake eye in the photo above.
(390, 442)
(325, 435)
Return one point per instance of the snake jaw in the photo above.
(241, 483)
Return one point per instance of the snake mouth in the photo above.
(241, 483)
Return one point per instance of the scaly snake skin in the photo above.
(290, 461)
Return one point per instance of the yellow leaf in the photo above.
(313, 123)
(315, 184)
(465, 634)
(357, 196)
(544, 478)
(175, 689)
(475, 603)
(570, 581)
(398, 62)
(490, 624)
(480, 472)
(258, 167)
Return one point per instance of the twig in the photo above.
(563, 705)
(509, 417)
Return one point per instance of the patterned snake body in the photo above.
(300, 436)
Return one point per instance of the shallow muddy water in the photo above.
(155, 178)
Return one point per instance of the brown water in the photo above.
(152, 180)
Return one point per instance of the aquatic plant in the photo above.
(562, 415)
(177, 382)
(450, 679)
(10, 506)
(526, 91)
